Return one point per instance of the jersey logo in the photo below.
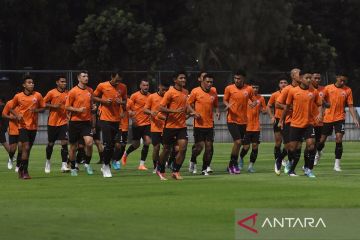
(311, 95)
(34, 100)
(321, 94)
(343, 94)
(246, 94)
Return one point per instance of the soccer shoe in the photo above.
(123, 160)
(277, 171)
(241, 164)
(10, 164)
(293, 174)
(21, 174)
(115, 166)
(26, 176)
(284, 162)
(237, 169)
(209, 170)
(161, 176)
(176, 176)
(142, 168)
(74, 172)
(231, 170)
(64, 168)
(89, 170)
(192, 166)
(154, 171)
(251, 170)
(287, 168)
(16, 169)
(337, 168)
(310, 174)
(205, 172)
(106, 171)
(47, 166)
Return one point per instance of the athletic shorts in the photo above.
(286, 133)
(122, 137)
(328, 128)
(140, 131)
(2, 137)
(276, 125)
(156, 138)
(97, 134)
(171, 135)
(237, 131)
(318, 131)
(78, 130)
(57, 133)
(204, 134)
(299, 134)
(13, 139)
(26, 135)
(251, 137)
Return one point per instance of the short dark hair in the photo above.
(26, 77)
(177, 73)
(341, 72)
(209, 75)
(165, 83)
(201, 72)
(116, 72)
(60, 76)
(240, 72)
(82, 71)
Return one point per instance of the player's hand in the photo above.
(154, 113)
(253, 104)
(272, 120)
(217, 115)
(93, 130)
(56, 106)
(195, 115)
(281, 125)
(179, 110)
(356, 123)
(118, 101)
(107, 101)
(82, 109)
(18, 117)
(132, 113)
(319, 118)
(227, 106)
(93, 108)
(122, 114)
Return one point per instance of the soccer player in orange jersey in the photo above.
(302, 98)
(252, 134)
(285, 126)
(275, 115)
(112, 97)
(204, 100)
(13, 131)
(174, 106)
(140, 124)
(337, 95)
(236, 97)
(27, 104)
(81, 125)
(57, 122)
(157, 123)
(4, 124)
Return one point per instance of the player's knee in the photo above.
(237, 142)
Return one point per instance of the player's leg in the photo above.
(74, 137)
(236, 135)
(53, 133)
(199, 138)
(89, 141)
(208, 152)
(310, 146)
(156, 142)
(136, 136)
(245, 148)
(255, 142)
(13, 139)
(339, 134)
(180, 157)
(145, 149)
(318, 130)
(296, 137)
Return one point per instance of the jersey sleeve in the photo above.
(166, 99)
(15, 101)
(148, 103)
(41, 101)
(192, 97)
(226, 94)
(48, 97)
(70, 100)
(290, 97)
(283, 96)
(216, 100)
(271, 100)
(262, 102)
(349, 98)
(98, 91)
(7, 108)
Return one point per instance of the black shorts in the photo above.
(2, 136)
(122, 137)
(204, 134)
(276, 125)
(156, 138)
(237, 131)
(109, 131)
(140, 132)
(13, 139)
(78, 130)
(57, 133)
(171, 135)
(318, 131)
(299, 134)
(27, 135)
(328, 128)
(251, 137)
(98, 129)
(285, 132)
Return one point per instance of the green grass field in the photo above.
(137, 205)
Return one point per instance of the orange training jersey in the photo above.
(153, 104)
(302, 101)
(282, 99)
(58, 116)
(25, 105)
(272, 102)
(315, 110)
(175, 99)
(124, 122)
(138, 103)
(253, 124)
(337, 98)
(13, 123)
(78, 98)
(105, 90)
(238, 99)
(204, 104)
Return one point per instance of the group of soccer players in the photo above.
(301, 111)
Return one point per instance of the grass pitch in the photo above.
(137, 205)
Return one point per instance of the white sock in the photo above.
(251, 165)
(142, 162)
(86, 165)
(337, 162)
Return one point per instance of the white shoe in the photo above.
(284, 162)
(337, 168)
(16, 169)
(154, 171)
(195, 170)
(106, 171)
(317, 158)
(191, 167)
(64, 167)
(205, 173)
(10, 164)
(47, 166)
(209, 170)
(277, 171)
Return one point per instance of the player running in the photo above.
(26, 106)
(57, 123)
(337, 95)
(252, 134)
(204, 100)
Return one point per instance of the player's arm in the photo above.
(147, 108)
(6, 112)
(47, 99)
(69, 104)
(263, 106)
(165, 102)
(353, 114)
(226, 99)
(216, 106)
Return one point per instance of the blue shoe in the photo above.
(74, 172)
(241, 163)
(115, 165)
(287, 168)
(89, 170)
(251, 170)
(310, 174)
